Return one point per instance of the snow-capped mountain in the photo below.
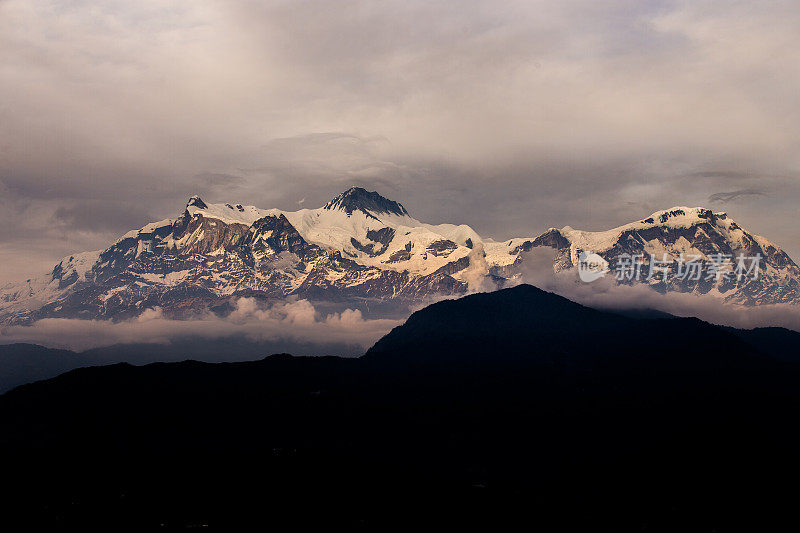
(678, 250)
(358, 248)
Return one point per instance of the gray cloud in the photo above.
(725, 197)
(101, 216)
(510, 117)
(219, 182)
(721, 174)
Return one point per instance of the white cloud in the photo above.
(605, 293)
(296, 321)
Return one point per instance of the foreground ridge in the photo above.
(515, 406)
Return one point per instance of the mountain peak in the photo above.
(197, 202)
(683, 212)
(370, 202)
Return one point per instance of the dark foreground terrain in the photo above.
(515, 407)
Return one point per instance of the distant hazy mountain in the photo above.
(25, 363)
(361, 247)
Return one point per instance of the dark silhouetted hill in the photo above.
(496, 410)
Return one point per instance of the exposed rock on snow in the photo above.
(361, 247)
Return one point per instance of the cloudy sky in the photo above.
(509, 116)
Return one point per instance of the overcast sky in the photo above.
(509, 116)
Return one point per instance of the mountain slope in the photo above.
(525, 325)
(25, 363)
(216, 252)
(362, 247)
(668, 239)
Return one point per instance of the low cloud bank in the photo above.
(283, 324)
(298, 327)
(606, 294)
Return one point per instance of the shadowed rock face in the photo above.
(552, 238)
(197, 202)
(442, 247)
(399, 255)
(273, 235)
(380, 241)
(356, 198)
(206, 235)
(383, 236)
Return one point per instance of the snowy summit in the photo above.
(358, 248)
